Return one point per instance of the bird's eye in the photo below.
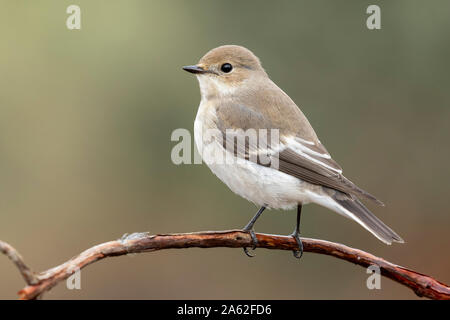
(226, 67)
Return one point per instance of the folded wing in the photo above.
(302, 157)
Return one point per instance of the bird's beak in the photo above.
(194, 69)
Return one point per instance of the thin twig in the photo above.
(422, 285)
(28, 275)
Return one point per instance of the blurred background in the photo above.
(86, 118)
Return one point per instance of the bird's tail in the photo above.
(350, 207)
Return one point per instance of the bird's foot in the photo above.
(299, 252)
(254, 241)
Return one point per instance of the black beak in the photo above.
(194, 69)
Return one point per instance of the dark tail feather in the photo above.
(354, 189)
(367, 219)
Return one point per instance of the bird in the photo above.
(285, 169)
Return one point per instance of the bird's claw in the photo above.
(248, 254)
(254, 241)
(297, 253)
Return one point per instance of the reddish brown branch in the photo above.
(421, 284)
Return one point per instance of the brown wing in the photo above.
(302, 158)
(296, 165)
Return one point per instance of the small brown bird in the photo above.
(237, 96)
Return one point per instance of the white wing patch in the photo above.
(298, 145)
(304, 141)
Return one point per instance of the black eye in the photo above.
(226, 67)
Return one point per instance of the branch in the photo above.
(37, 284)
(17, 259)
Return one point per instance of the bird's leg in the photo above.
(249, 228)
(296, 234)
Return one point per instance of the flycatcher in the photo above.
(237, 96)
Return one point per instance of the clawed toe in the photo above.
(248, 254)
(254, 241)
(299, 252)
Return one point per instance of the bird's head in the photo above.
(225, 68)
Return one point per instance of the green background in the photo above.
(86, 118)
